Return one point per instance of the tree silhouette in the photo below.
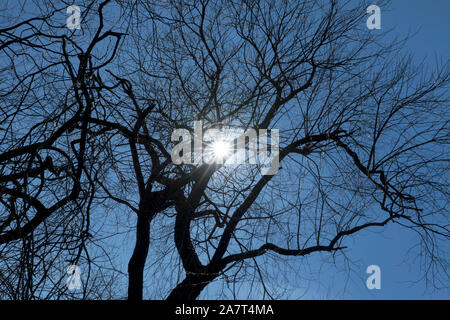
(88, 115)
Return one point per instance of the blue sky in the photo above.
(386, 247)
(429, 18)
(389, 248)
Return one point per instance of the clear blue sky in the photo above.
(388, 249)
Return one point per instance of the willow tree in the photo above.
(362, 140)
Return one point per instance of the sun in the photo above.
(221, 149)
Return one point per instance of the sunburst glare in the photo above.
(220, 149)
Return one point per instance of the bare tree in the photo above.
(49, 154)
(363, 138)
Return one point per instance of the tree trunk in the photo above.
(191, 287)
(137, 260)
